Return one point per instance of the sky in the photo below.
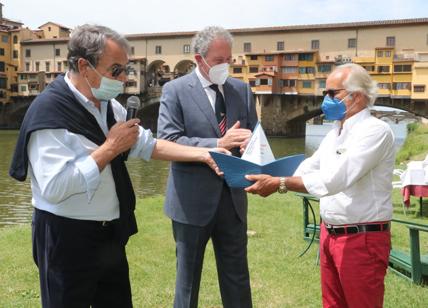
(149, 16)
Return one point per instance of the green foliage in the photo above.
(416, 145)
(279, 278)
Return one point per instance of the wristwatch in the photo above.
(282, 189)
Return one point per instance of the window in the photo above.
(132, 50)
(306, 70)
(419, 88)
(37, 66)
(2, 66)
(247, 47)
(280, 45)
(158, 49)
(24, 88)
(324, 68)
(321, 83)
(186, 48)
(57, 52)
(253, 57)
(27, 53)
(254, 69)
(379, 53)
(387, 53)
(307, 84)
(401, 86)
(305, 57)
(390, 41)
(237, 70)
(3, 83)
(264, 82)
(15, 39)
(386, 86)
(15, 54)
(427, 39)
(27, 66)
(131, 84)
(59, 67)
(48, 66)
(288, 83)
(352, 43)
(1, 51)
(4, 38)
(290, 57)
(49, 29)
(369, 68)
(252, 83)
(289, 69)
(269, 58)
(383, 69)
(402, 68)
(315, 44)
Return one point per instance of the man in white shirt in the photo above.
(351, 173)
(71, 143)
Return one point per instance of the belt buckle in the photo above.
(105, 223)
(330, 229)
(352, 226)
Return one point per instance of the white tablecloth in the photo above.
(415, 174)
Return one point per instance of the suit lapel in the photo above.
(201, 100)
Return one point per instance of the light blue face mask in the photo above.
(333, 108)
(109, 88)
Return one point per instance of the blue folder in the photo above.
(235, 168)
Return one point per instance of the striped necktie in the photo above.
(220, 109)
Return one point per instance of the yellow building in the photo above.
(290, 60)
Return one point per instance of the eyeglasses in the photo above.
(117, 69)
(331, 92)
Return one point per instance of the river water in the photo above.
(149, 178)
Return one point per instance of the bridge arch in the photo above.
(184, 67)
(158, 73)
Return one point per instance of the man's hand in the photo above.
(264, 184)
(235, 137)
(206, 158)
(121, 137)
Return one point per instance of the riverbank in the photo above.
(279, 277)
(415, 146)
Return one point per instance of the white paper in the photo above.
(258, 150)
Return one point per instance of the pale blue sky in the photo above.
(142, 16)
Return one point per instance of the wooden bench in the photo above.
(413, 265)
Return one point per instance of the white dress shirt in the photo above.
(65, 179)
(351, 172)
(206, 85)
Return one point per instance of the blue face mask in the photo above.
(108, 89)
(333, 108)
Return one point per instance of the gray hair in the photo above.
(88, 42)
(202, 40)
(358, 80)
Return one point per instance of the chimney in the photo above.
(1, 12)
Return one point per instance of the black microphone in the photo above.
(132, 106)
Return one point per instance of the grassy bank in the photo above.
(416, 145)
(279, 278)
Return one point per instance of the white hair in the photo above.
(202, 40)
(358, 80)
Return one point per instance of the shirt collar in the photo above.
(354, 120)
(205, 83)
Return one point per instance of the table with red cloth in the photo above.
(415, 182)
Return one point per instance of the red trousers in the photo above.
(353, 268)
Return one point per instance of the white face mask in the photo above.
(108, 89)
(218, 73)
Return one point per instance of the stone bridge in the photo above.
(281, 115)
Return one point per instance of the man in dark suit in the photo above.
(206, 108)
